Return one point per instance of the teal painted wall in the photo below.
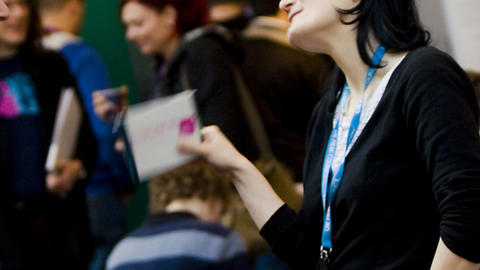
(102, 30)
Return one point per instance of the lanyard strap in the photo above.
(330, 181)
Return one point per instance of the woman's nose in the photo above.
(285, 5)
(4, 11)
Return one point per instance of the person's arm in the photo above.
(445, 259)
(292, 236)
(257, 194)
(440, 106)
(92, 75)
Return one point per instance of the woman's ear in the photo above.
(170, 14)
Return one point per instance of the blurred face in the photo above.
(150, 29)
(312, 22)
(3, 11)
(13, 30)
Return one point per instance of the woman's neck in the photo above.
(7, 51)
(170, 47)
(346, 56)
(348, 59)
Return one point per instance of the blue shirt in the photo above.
(91, 74)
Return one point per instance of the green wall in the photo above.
(104, 32)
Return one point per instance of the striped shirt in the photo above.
(179, 241)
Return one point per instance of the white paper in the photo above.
(153, 129)
(65, 132)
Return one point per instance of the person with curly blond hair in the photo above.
(183, 230)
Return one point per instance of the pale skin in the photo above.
(4, 11)
(322, 35)
(67, 173)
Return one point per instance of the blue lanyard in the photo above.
(331, 182)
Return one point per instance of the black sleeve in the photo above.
(441, 107)
(294, 237)
(291, 238)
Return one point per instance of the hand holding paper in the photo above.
(109, 102)
(215, 148)
(152, 131)
(61, 181)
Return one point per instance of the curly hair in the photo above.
(195, 180)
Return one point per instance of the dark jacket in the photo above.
(205, 59)
(21, 222)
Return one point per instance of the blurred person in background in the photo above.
(232, 14)
(188, 55)
(62, 20)
(183, 231)
(43, 220)
(285, 82)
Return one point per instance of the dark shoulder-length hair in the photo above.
(394, 24)
(32, 44)
(190, 13)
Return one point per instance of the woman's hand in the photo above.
(255, 191)
(215, 148)
(107, 103)
(61, 182)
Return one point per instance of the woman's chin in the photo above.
(297, 41)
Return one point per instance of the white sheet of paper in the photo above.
(66, 129)
(154, 127)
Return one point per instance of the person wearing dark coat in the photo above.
(43, 219)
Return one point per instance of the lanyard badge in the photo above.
(331, 181)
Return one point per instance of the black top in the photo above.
(412, 175)
(46, 74)
(27, 211)
(20, 117)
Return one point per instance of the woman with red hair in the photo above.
(188, 55)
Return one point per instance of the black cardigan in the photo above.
(413, 175)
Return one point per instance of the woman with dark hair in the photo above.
(392, 174)
(43, 222)
(188, 55)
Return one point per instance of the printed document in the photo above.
(153, 129)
